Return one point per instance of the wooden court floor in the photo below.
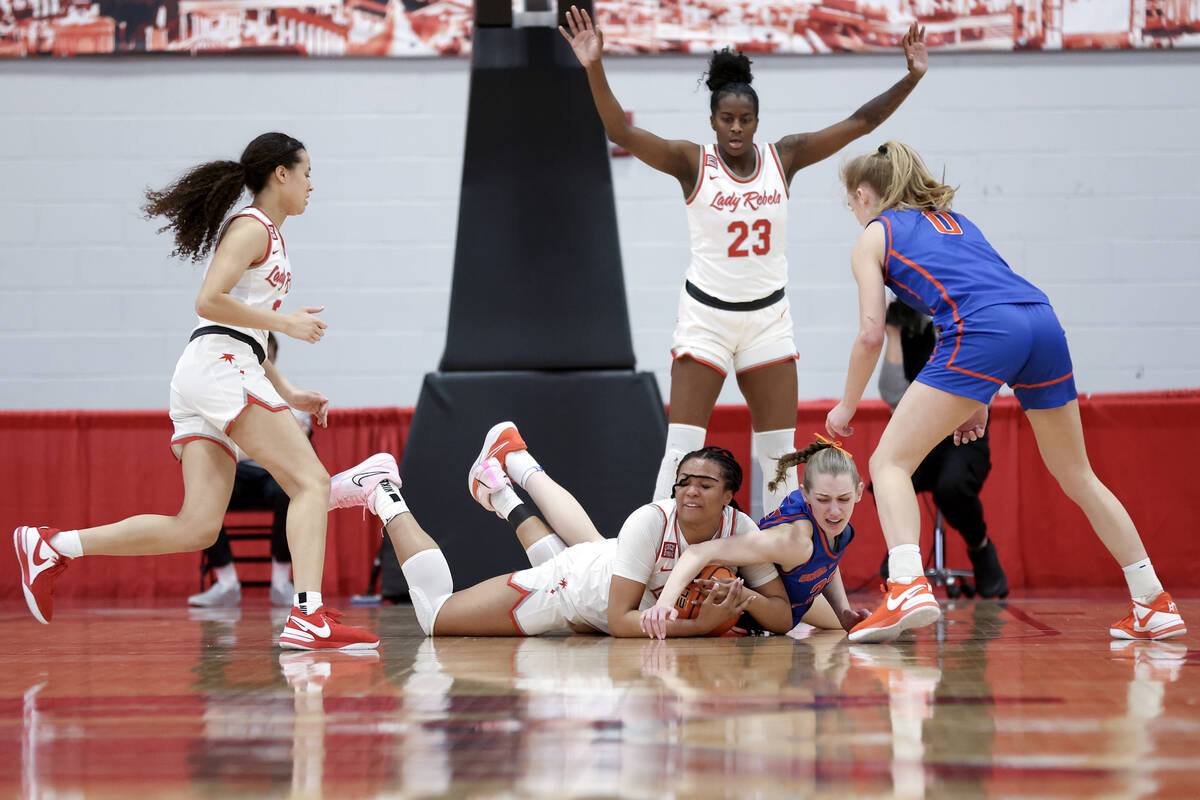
(1024, 698)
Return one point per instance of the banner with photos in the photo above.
(404, 28)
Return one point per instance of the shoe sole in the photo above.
(354, 646)
(918, 618)
(1117, 633)
(29, 598)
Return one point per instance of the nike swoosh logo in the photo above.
(37, 564)
(1143, 621)
(496, 449)
(362, 476)
(322, 631)
(895, 602)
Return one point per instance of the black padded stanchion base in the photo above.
(600, 434)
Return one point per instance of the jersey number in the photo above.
(943, 222)
(763, 246)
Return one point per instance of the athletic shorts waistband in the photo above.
(244, 338)
(715, 302)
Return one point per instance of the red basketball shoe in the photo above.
(40, 565)
(323, 630)
(1159, 620)
(906, 605)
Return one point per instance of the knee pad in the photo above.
(429, 585)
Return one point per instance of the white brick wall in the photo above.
(1081, 167)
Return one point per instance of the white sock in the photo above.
(545, 549)
(681, 440)
(505, 500)
(307, 602)
(227, 575)
(281, 573)
(520, 465)
(387, 503)
(1144, 585)
(67, 543)
(904, 563)
(770, 445)
(429, 585)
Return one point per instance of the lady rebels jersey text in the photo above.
(738, 228)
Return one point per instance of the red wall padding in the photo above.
(80, 468)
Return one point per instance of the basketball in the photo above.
(688, 610)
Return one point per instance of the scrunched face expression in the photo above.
(832, 499)
(700, 491)
(735, 122)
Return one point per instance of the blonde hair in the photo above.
(820, 458)
(899, 177)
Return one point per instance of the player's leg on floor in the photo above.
(1059, 434)
(481, 610)
(772, 394)
(821, 615)
(694, 390)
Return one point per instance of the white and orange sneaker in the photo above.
(1159, 620)
(905, 606)
(485, 479)
(40, 565)
(356, 486)
(503, 438)
(323, 630)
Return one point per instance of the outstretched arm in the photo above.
(867, 263)
(799, 150)
(675, 157)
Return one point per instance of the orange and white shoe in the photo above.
(485, 479)
(905, 606)
(1159, 620)
(323, 630)
(502, 439)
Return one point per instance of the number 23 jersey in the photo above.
(738, 227)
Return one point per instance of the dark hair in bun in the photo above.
(729, 73)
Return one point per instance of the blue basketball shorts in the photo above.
(1021, 344)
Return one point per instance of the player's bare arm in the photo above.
(802, 149)
(676, 157)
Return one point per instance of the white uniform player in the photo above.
(572, 588)
(733, 310)
(220, 373)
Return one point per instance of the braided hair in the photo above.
(729, 73)
(821, 458)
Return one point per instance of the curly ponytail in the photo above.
(197, 203)
(729, 73)
(821, 458)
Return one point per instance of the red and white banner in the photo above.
(402, 28)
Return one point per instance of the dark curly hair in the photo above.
(729, 73)
(731, 470)
(822, 458)
(197, 203)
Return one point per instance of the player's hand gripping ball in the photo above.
(691, 598)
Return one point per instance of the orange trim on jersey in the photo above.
(768, 364)
(775, 156)
(512, 612)
(251, 400)
(701, 361)
(1040, 385)
(957, 319)
(757, 165)
(200, 436)
(699, 180)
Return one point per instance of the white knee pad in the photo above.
(545, 549)
(429, 585)
(681, 440)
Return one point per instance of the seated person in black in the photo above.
(954, 474)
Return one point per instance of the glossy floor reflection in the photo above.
(1028, 697)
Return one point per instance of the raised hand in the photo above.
(585, 38)
(914, 50)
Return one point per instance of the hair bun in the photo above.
(726, 67)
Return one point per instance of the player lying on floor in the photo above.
(579, 580)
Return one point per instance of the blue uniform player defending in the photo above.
(805, 538)
(996, 328)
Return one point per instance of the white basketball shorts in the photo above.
(737, 341)
(571, 588)
(216, 379)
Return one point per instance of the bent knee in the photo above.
(196, 533)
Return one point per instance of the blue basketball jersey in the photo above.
(805, 582)
(940, 264)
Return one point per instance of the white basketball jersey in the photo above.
(738, 227)
(266, 282)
